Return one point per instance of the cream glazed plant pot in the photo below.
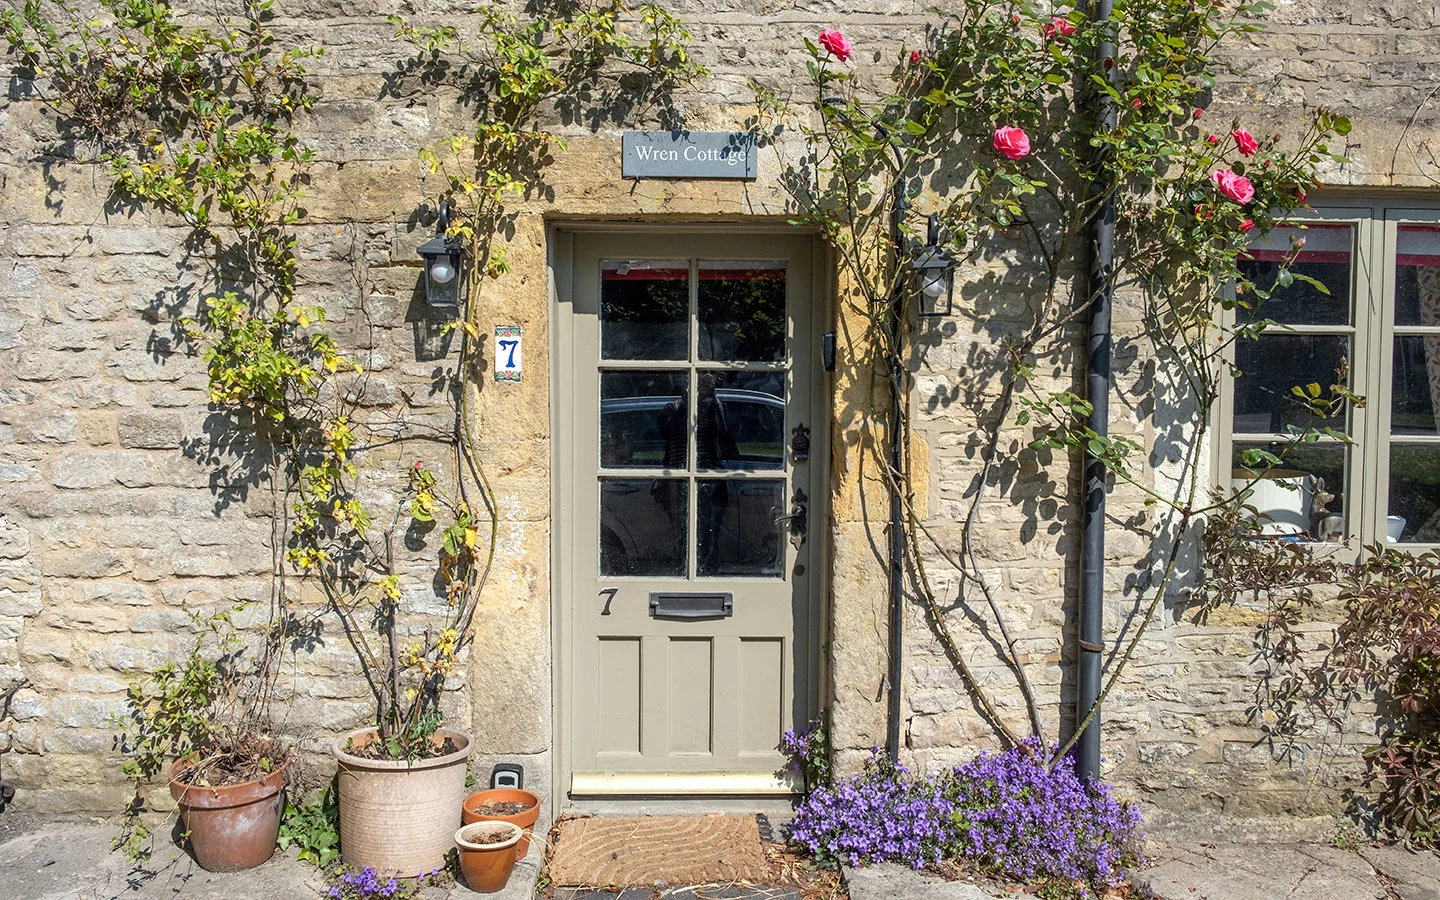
(399, 816)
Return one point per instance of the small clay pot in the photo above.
(230, 828)
(525, 820)
(487, 867)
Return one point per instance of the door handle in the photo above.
(798, 518)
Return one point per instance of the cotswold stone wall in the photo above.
(122, 505)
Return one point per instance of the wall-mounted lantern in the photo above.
(934, 274)
(444, 258)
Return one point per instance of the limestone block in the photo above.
(101, 619)
(68, 563)
(80, 741)
(154, 431)
(148, 240)
(10, 627)
(18, 575)
(58, 365)
(14, 540)
(27, 705)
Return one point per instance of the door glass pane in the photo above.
(643, 526)
(742, 311)
(644, 419)
(1303, 496)
(1414, 513)
(740, 420)
(1273, 364)
(1324, 256)
(1417, 275)
(735, 526)
(1415, 401)
(645, 309)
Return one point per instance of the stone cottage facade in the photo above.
(117, 514)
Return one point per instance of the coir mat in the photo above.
(641, 851)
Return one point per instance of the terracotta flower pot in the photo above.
(230, 828)
(526, 819)
(487, 867)
(399, 817)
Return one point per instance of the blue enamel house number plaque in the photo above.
(689, 154)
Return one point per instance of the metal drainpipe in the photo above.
(897, 460)
(1097, 391)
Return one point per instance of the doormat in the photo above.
(641, 851)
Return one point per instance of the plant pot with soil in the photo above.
(202, 723)
(230, 804)
(512, 805)
(487, 854)
(399, 810)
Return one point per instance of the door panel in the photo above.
(688, 369)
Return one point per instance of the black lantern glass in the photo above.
(934, 275)
(444, 257)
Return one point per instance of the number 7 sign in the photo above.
(507, 352)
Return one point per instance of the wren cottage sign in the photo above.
(689, 154)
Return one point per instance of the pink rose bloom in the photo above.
(1245, 142)
(1235, 187)
(836, 43)
(1212, 139)
(1301, 196)
(1058, 25)
(914, 57)
(1011, 142)
(1247, 225)
(1198, 114)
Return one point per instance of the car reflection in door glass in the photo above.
(735, 429)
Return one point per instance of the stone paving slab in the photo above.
(72, 860)
(1248, 871)
(1416, 875)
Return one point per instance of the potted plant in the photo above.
(488, 854)
(226, 773)
(519, 807)
(402, 778)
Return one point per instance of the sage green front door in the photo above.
(686, 547)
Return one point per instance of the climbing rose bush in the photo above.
(1007, 814)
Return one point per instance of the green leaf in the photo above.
(1316, 284)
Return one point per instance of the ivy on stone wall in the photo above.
(202, 121)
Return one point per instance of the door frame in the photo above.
(560, 245)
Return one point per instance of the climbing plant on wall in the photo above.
(1004, 121)
(203, 122)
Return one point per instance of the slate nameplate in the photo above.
(689, 154)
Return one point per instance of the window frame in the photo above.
(1375, 224)
(1394, 216)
